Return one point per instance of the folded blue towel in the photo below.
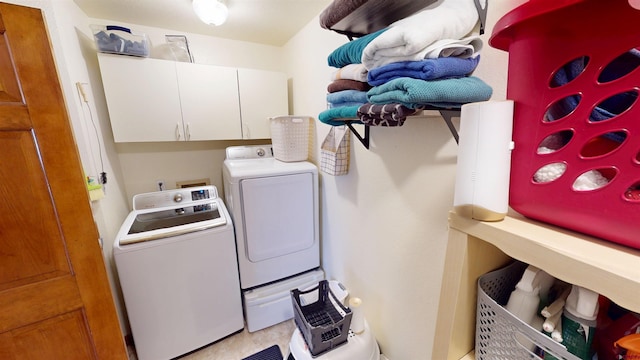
(347, 96)
(348, 103)
(331, 116)
(429, 69)
(351, 52)
(414, 93)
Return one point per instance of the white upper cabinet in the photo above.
(161, 100)
(263, 94)
(142, 97)
(209, 98)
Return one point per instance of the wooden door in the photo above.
(55, 299)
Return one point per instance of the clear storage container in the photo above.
(120, 40)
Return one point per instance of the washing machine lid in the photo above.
(154, 224)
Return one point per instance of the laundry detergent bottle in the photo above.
(579, 321)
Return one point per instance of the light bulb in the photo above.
(211, 12)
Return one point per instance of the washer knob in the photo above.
(177, 197)
(260, 152)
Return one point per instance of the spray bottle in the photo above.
(579, 321)
(524, 301)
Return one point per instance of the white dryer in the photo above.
(274, 206)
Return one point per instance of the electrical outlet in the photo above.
(160, 184)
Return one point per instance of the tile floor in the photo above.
(243, 344)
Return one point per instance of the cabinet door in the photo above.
(209, 99)
(142, 97)
(263, 94)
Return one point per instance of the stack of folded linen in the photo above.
(423, 61)
(348, 88)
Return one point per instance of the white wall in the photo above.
(384, 225)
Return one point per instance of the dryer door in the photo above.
(279, 215)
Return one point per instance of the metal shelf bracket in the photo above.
(363, 139)
(447, 115)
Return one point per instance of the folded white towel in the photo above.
(464, 48)
(445, 19)
(351, 72)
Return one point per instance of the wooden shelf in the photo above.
(476, 247)
(470, 356)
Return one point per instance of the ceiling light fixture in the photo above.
(211, 12)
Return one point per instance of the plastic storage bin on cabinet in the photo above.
(321, 318)
(290, 137)
(120, 40)
(499, 334)
(573, 77)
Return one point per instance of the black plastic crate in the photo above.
(323, 321)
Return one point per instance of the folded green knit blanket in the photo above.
(416, 93)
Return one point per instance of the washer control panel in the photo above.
(184, 196)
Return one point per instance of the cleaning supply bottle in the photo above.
(579, 321)
(525, 299)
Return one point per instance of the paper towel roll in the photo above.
(357, 317)
(484, 160)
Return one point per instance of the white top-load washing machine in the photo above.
(176, 260)
(274, 205)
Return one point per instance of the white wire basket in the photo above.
(290, 138)
(500, 335)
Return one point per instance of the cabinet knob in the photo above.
(187, 132)
(178, 131)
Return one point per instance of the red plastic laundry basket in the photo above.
(575, 96)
